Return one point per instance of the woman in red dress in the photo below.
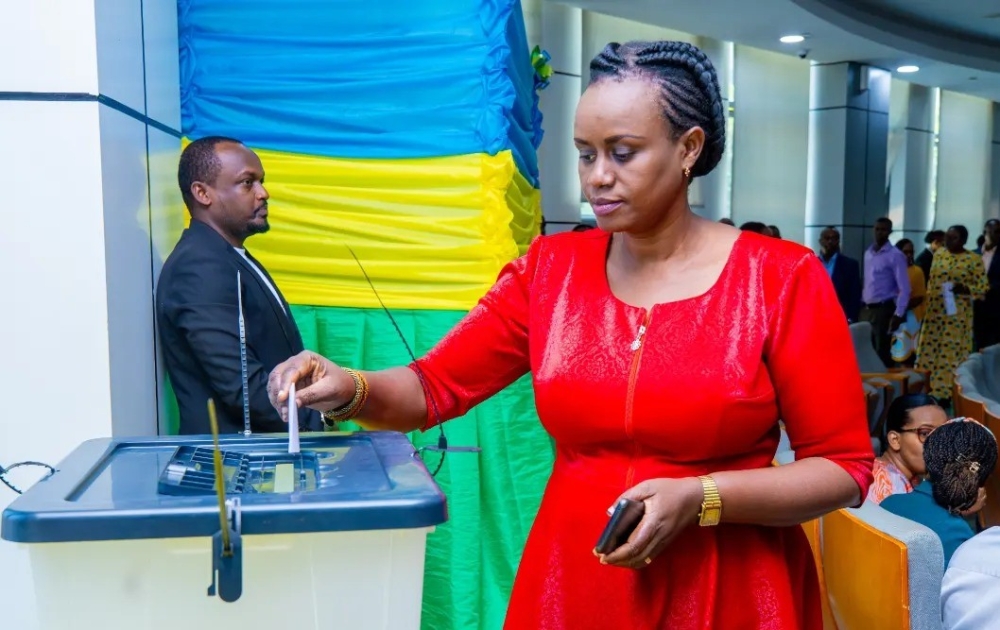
(664, 348)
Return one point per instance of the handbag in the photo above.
(904, 339)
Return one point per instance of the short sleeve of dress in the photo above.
(810, 357)
(486, 351)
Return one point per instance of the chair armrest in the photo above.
(885, 391)
(923, 387)
(926, 373)
(902, 378)
(900, 382)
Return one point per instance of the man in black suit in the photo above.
(844, 272)
(934, 240)
(198, 309)
(986, 313)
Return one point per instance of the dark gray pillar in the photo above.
(848, 142)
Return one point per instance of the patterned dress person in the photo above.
(887, 480)
(946, 340)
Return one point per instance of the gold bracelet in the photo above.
(353, 407)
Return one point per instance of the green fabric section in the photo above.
(492, 496)
(168, 407)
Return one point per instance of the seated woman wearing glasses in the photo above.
(959, 456)
(899, 468)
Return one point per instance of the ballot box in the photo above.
(128, 534)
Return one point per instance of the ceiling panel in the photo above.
(767, 20)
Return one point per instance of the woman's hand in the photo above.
(319, 383)
(671, 505)
(960, 289)
(977, 506)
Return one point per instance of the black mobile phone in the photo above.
(623, 521)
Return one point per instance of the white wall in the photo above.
(53, 329)
(599, 30)
(78, 177)
(770, 147)
(964, 162)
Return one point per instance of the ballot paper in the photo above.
(948, 293)
(293, 422)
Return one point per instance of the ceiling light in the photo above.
(907, 69)
(793, 39)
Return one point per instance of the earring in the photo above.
(687, 173)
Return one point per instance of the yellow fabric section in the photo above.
(432, 233)
(525, 202)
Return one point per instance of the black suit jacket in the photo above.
(847, 281)
(198, 321)
(925, 259)
(986, 313)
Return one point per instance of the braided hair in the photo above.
(959, 455)
(689, 89)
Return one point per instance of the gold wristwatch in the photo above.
(711, 505)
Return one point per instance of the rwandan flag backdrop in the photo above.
(405, 129)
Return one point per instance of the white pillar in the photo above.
(912, 182)
(531, 10)
(771, 136)
(562, 35)
(86, 93)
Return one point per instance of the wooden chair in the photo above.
(990, 516)
(974, 409)
(920, 387)
(905, 380)
(992, 422)
(812, 530)
(881, 570)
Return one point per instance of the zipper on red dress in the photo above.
(636, 348)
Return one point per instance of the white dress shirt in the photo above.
(970, 590)
(267, 283)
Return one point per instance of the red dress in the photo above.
(701, 393)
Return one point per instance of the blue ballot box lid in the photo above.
(161, 487)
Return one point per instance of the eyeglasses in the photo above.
(922, 432)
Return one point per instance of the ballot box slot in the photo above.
(191, 472)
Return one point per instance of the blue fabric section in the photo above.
(342, 78)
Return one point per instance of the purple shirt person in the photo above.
(886, 277)
(886, 290)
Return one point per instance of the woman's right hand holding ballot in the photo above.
(387, 400)
(319, 383)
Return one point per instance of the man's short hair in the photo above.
(934, 236)
(754, 226)
(199, 163)
(884, 221)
